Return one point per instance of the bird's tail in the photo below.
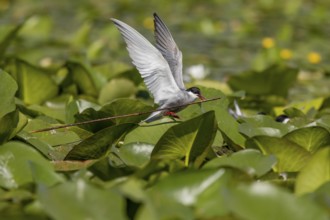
(153, 117)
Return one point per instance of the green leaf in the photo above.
(259, 201)
(99, 144)
(291, 157)
(91, 114)
(315, 173)
(114, 89)
(8, 88)
(54, 144)
(8, 125)
(42, 175)
(149, 133)
(263, 125)
(9, 38)
(15, 159)
(83, 78)
(303, 107)
(226, 123)
(211, 203)
(310, 138)
(124, 107)
(186, 186)
(249, 160)
(275, 80)
(182, 190)
(189, 139)
(228, 126)
(35, 85)
(321, 195)
(76, 201)
(134, 154)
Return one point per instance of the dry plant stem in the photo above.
(120, 116)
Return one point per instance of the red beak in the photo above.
(201, 97)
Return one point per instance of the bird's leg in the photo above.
(171, 114)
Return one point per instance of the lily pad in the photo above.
(190, 139)
(315, 173)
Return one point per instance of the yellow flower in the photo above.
(314, 57)
(268, 42)
(148, 23)
(286, 54)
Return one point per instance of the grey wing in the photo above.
(167, 46)
(150, 63)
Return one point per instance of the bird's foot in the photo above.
(171, 114)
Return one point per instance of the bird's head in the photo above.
(197, 92)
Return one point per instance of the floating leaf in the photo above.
(265, 82)
(114, 89)
(263, 125)
(315, 173)
(134, 154)
(310, 138)
(226, 123)
(8, 88)
(99, 144)
(304, 106)
(83, 78)
(181, 191)
(5, 43)
(189, 139)
(257, 201)
(291, 157)
(8, 125)
(35, 85)
(149, 133)
(248, 160)
(126, 106)
(76, 201)
(15, 158)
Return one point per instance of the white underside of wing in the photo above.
(152, 66)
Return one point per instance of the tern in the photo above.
(160, 68)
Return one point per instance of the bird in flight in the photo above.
(160, 68)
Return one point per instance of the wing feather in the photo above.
(152, 66)
(167, 46)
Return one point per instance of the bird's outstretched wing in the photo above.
(152, 66)
(167, 46)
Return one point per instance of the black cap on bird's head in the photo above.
(197, 92)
